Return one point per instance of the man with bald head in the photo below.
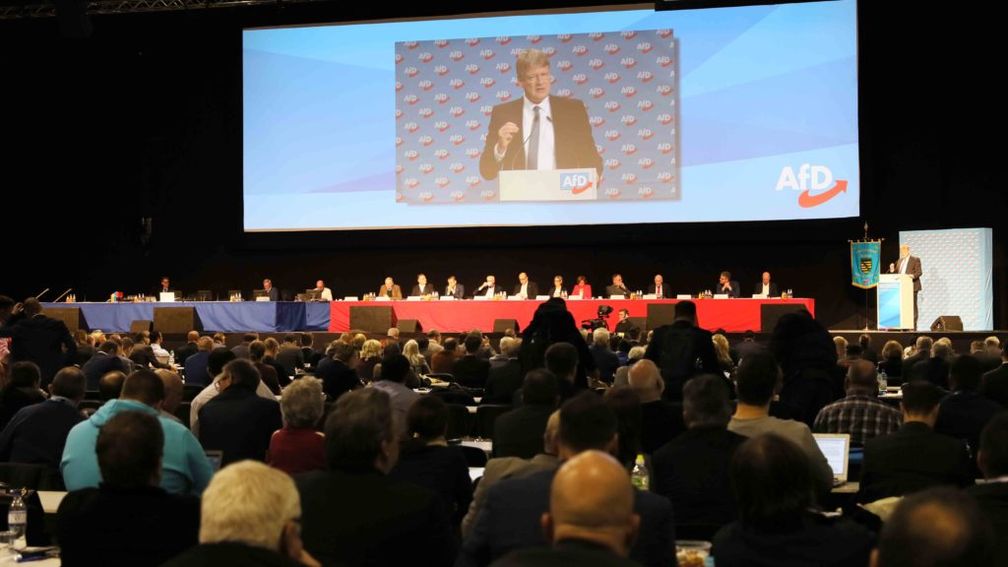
(590, 519)
(766, 287)
(660, 420)
(860, 413)
(525, 288)
(510, 517)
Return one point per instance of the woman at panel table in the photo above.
(581, 289)
(558, 289)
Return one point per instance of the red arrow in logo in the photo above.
(805, 200)
(582, 189)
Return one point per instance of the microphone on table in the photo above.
(43, 292)
(62, 295)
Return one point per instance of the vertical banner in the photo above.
(865, 263)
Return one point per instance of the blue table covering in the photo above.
(222, 316)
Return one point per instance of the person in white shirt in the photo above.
(325, 293)
(526, 289)
(489, 287)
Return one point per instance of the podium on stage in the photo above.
(895, 302)
(548, 185)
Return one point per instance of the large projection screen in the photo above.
(618, 116)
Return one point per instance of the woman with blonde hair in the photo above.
(724, 358)
(411, 350)
(370, 355)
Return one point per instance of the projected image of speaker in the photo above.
(947, 323)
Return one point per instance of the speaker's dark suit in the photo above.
(774, 292)
(531, 290)
(733, 292)
(574, 146)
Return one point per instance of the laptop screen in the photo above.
(835, 448)
(215, 458)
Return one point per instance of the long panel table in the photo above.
(732, 315)
(222, 316)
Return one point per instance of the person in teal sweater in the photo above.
(185, 468)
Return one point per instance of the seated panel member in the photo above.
(325, 294)
(390, 289)
(454, 288)
(489, 287)
(558, 289)
(525, 288)
(617, 287)
(422, 287)
(727, 285)
(581, 288)
(659, 288)
(272, 292)
(766, 287)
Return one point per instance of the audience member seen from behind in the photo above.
(353, 514)
(129, 520)
(860, 414)
(37, 433)
(778, 522)
(250, 516)
(425, 459)
(22, 390)
(591, 519)
(992, 495)
(298, 447)
(938, 527)
(237, 421)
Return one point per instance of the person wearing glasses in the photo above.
(538, 131)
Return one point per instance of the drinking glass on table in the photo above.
(7, 553)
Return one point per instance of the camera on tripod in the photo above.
(600, 321)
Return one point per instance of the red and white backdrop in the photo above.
(446, 89)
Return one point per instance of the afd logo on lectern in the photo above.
(815, 183)
(575, 183)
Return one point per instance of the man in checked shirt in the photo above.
(860, 413)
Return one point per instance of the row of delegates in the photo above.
(524, 288)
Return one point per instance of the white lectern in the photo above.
(895, 301)
(548, 185)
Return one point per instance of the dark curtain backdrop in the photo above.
(143, 119)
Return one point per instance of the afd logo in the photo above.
(575, 183)
(814, 182)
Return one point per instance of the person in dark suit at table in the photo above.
(766, 287)
(779, 521)
(992, 496)
(471, 370)
(509, 519)
(660, 420)
(505, 376)
(104, 361)
(915, 457)
(726, 285)
(994, 384)
(964, 413)
(692, 469)
(189, 348)
(454, 289)
(392, 522)
(911, 266)
(165, 287)
(425, 459)
(617, 287)
(551, 132)
(142, 354)
(36, 338)
(525, 288)
(271, 292)
(128, 519)
(936, 368)
(558, 289)
(422, 287)
(581, 288)
(519, 432)
(237, 421)
(682, 350)
(390, 289)
(591, 520)
(36, 434)
(196, 365)
(338, 370)
(660, 289)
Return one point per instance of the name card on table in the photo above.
(351, 298)
(414, 298)
(447, 298)
(617, 296)
(720, 296)
(650, 296)
(482, 298)
(263, 298)
(542, 297)
(167, 297)
(684, 296)
(759, 296)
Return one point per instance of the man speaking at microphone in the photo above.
(554, 130)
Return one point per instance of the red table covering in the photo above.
(732, 315)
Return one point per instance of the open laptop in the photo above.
(836, 448)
